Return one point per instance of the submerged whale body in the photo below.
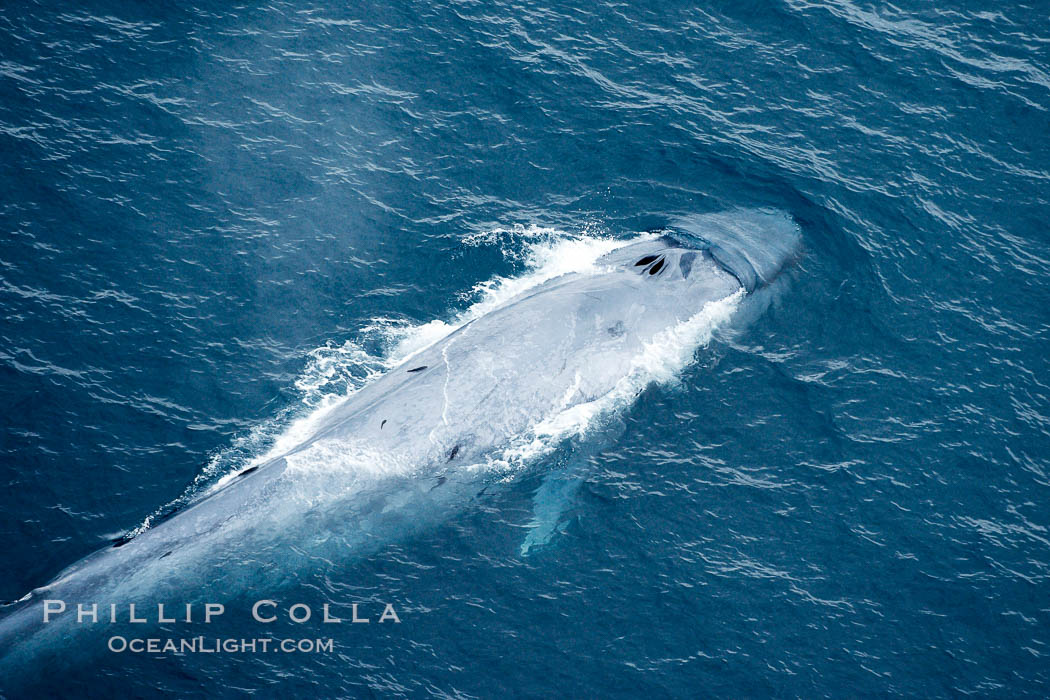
(412, 444)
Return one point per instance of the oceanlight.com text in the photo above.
(218, 645)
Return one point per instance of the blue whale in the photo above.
(419, 441)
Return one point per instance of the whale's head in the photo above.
(673, 273)
(752, 248)
(661, 280)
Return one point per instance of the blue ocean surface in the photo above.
(217, 219)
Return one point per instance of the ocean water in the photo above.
(217, 220)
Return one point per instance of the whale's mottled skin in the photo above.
(410, 436)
